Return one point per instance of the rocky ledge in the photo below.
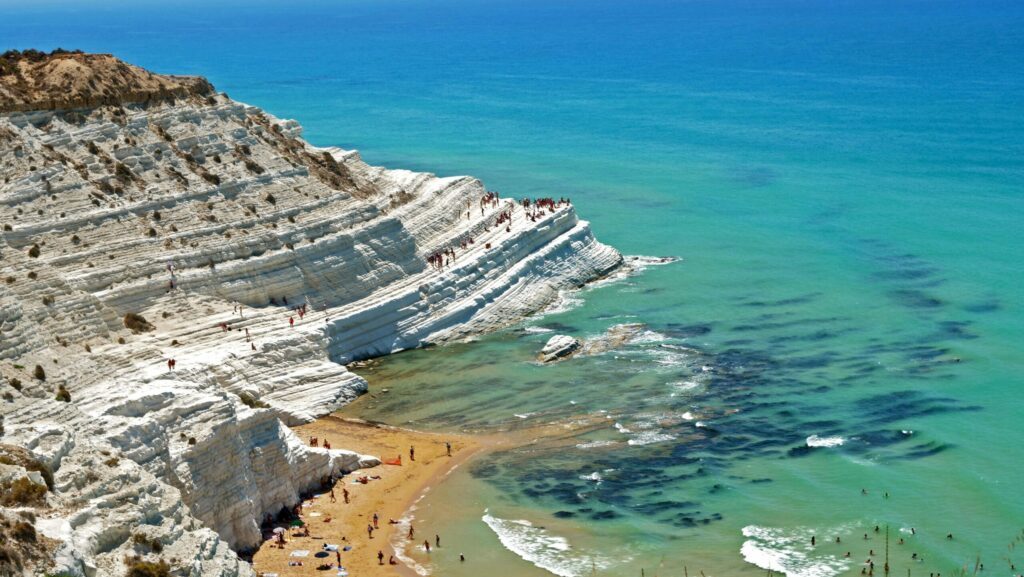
(182, 276)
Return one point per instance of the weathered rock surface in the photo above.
(64, 81)
(213, 220)
(558, 347)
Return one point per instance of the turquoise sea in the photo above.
(844, 183)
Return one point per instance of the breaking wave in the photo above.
(595, 444)
(816, 441)
(788, 552)
(650, 437)
(545, 550)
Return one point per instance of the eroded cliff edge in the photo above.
(213, 220)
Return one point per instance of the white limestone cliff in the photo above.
(181, 210)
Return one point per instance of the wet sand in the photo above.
(389, 497)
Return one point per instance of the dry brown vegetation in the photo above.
(137, 323)
(22, 493)
(22, 549)
(62, 80)
(138, 567)
(14, 455)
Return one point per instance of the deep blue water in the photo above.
(842, 179)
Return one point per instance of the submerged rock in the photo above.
(558, 347)
(613, 338)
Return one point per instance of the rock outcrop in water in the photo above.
(151, 219)
(562, 347)
(558, 347)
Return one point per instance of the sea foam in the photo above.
(816, 441)
(542, 548)
(650, 437)
(595, 444)
(789, 552)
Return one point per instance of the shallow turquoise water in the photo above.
(842, 182)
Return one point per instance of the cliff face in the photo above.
(213, 220)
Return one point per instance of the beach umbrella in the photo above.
(279, 530)
(297, 523)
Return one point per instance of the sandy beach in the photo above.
(389, 496)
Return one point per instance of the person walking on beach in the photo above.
(448, 447)
(437, 540)
(412, 531)
(291, 321)
(333, 498)
(380, 557)
(426, 546)
(369, 531)
(375, 519)
(412, 453)
(344, 494)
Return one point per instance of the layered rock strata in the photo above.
(186, 226)
(558, 347)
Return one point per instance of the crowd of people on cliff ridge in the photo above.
(535, 210)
